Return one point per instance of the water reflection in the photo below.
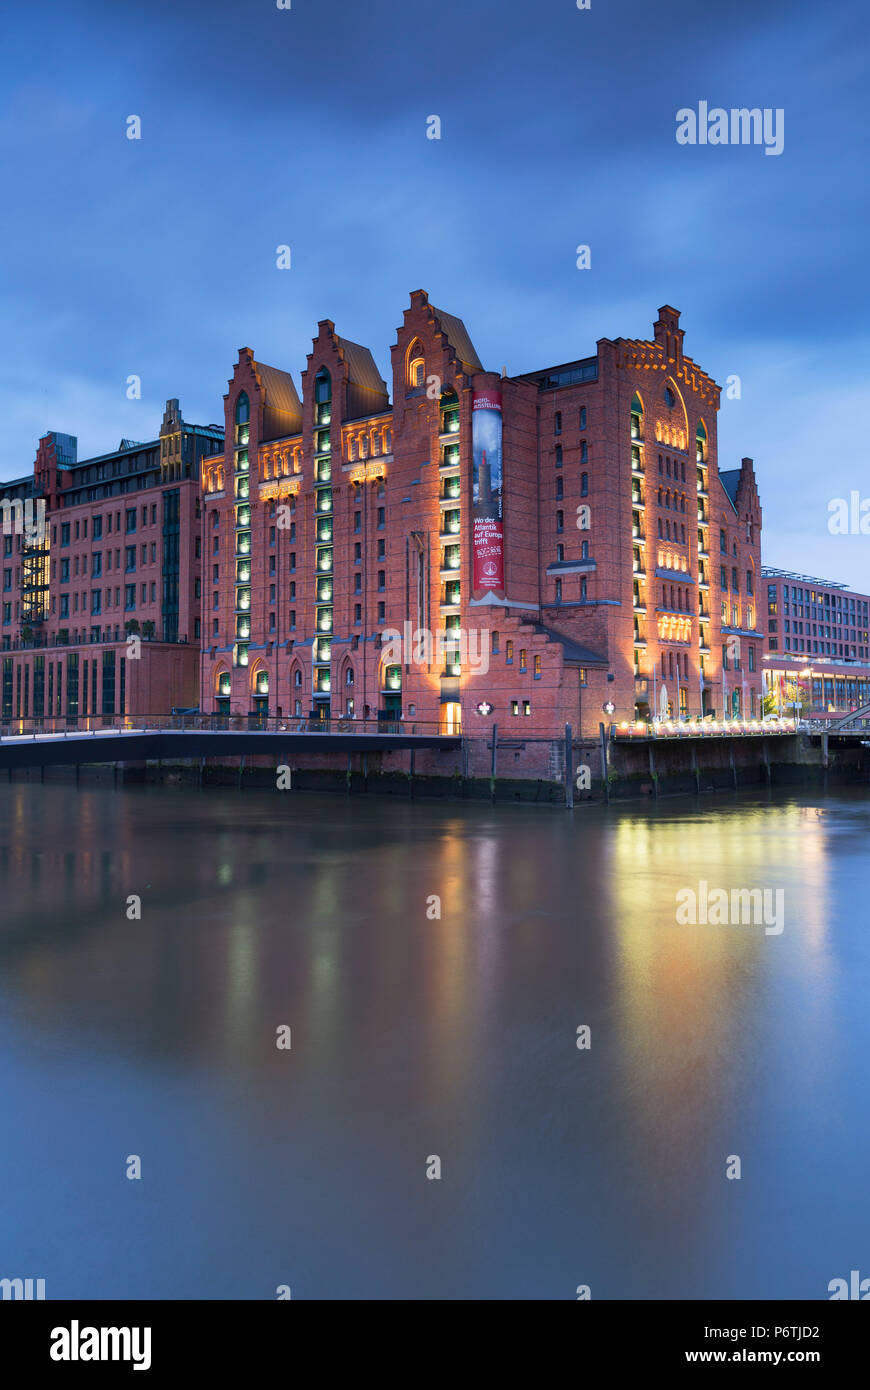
(417, 1033)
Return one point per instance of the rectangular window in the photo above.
(72, 686)
(6, 711)
(38, 687)
(108, 684)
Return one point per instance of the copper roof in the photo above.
(457, 336)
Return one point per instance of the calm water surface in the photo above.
(414, 1037)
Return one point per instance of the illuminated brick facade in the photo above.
(337, 540)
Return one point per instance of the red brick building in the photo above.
(101, 578)
(340, 529)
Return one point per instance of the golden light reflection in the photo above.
(691, 999)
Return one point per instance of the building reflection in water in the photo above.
(414, 1033)
(700, 1006)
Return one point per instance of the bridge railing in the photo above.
(63, 726)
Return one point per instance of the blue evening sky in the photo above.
(307, 127)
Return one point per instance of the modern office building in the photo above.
(467, 548)
(817, 649)
(101, 577)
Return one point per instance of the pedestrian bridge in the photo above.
(60, 742)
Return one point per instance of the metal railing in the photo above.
(192, 722)
(708, 727)
(108, 636)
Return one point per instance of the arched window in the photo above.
(449, 412)
(243, 408)
(348, 676)
(416, 365)
(670, 398)
(322, 387)
(701, 443)
(636, 417)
